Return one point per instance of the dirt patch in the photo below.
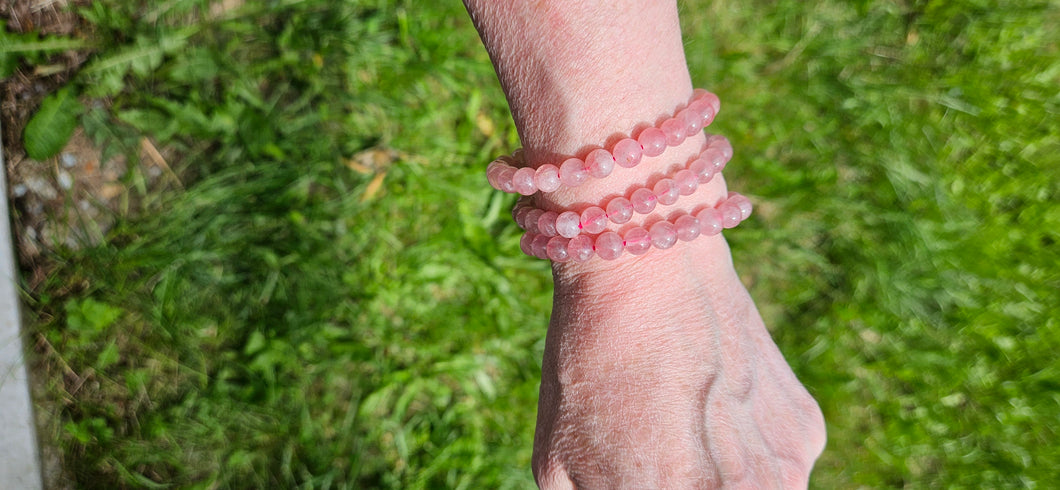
(63, 201)
(21, 93)
(72, 199)
(45, 16)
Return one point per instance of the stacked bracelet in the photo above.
(620, 209)
(567, 235)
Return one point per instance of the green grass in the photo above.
(281, 322)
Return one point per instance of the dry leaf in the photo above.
(373, 186)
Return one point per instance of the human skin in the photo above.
(658, 370)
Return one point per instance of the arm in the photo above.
(578, 73)
(658, 371)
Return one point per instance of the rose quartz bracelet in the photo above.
(637, 240)
(620, 209)
(509, 174)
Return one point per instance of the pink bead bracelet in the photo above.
(510, 174)
(637, 240)
(619, 210)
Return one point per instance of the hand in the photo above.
(659, 373)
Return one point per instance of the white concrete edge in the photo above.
(20, 467)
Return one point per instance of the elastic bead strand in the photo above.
(510, 173)
(609, 245)
(642, 200)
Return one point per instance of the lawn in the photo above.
(323, 292)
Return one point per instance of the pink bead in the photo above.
(523, 181)
(674, 130)
(608, 245)
(568, 224)
(627, 153)
(619, 210)
(580, 248)
(593, 220)
(652, 141)
(743, 203)
(703, 169)
(546, 178)
(520, 216)
(493, 172)
(716, 158)
(692, 120)
(709, 221)
(546, 224)
(525, 244)
(572, 172)
(557, 249)
(708, 98)
(705, 112)
(504, 178)
(745, 209)
(686, 181)
(600, 163)
(666, 192)
(730, 214)
(722, 143)
(687, 227)
(531, 220)
(636, 240)
(663, 235)
(714, 101)
(708, 115)
(643, 200)
(540, 246)
(520, 205)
